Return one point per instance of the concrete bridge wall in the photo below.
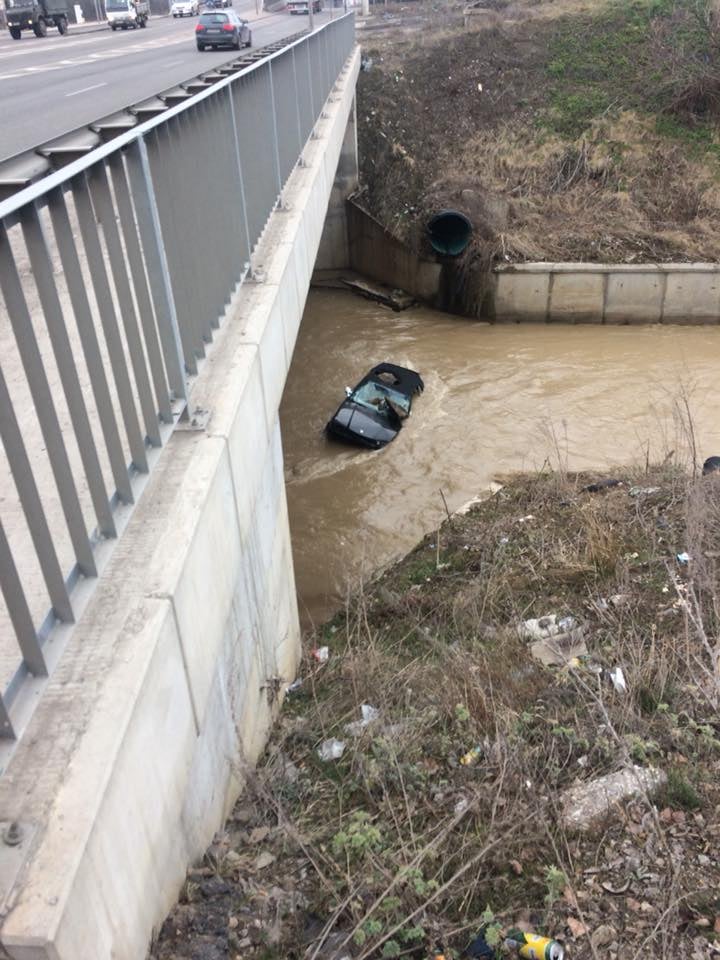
(168, 685)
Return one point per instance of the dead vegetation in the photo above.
(566, 133)
(397, 847)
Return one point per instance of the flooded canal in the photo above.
(497, 399)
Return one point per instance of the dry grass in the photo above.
(397, 848)
(575, 148)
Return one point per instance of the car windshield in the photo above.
(214, 18)
(374, 395)
(116, 4)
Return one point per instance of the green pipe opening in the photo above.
(449, 232)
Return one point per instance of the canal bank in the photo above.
(430, 773)
(538, 124)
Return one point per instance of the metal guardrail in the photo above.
(114, 272)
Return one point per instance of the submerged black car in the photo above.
(373, 412)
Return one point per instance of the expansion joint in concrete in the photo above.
(183, 654)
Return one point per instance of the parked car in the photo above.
(185, 8)
(217, 29)
(374, 410)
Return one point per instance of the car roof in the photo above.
(405, 380)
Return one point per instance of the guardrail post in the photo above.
(157, 268)
(236, 142)
(276, 143)
(19, 611)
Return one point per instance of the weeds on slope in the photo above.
(397, 847)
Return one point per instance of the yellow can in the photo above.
(530, 946)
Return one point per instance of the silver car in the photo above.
(185, 8)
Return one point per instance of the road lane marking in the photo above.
(67, 43)
(85, 89)
(114, 53)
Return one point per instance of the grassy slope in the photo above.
(397, 848)
(594, 136)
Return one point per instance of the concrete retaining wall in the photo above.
(168, 685)
(608, 293)
(375, 253)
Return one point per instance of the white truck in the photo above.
(127, 13)
(303, 6)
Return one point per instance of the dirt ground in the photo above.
(566, 131)
(444, 811)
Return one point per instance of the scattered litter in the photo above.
(532, 946)
(644, 491)
(584, 662)
(683, 557)
(557, 640)
(321, 654)
(504, 540)
(366, 64)
(600, 485)
(480, 87)
(295, 685)
(472, 756)
(331, 749)
(369, 714)
(616, 600)
(583, 805)
(526, 519)
(480, 949)
(618, 679)
(467, 507)
(461, 806)
(548, 626)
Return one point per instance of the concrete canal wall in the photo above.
(607, 293)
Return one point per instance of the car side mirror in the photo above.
(348, 392)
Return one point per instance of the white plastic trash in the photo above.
(331, 749)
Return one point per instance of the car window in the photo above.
(373, 394)
(214, 18)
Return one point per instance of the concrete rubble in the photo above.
(584, 805)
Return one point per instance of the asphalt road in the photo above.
(51, 85)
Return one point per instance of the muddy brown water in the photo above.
(497, 399)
